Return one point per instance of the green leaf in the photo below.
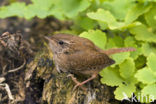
(84, 22)
(136, 11)
(40, 8)
(142, 33)
(110, 44)
(106, 17)
(98, 37)
(111, 77)
(124, 91)
(148, 49)
(149, 90)
(151, 62)
(131, 42)
(135, 54)
(149, 16)
(15, 9)
(119, 41)
(127, 68)
(56, 11)
(115, 41)
(70, 8)
(103, 25)
(117, 8)
(140, 62)
(146, 76)
(120, 57)
(29, 13)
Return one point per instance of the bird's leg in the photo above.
(76, 81)
(84, 82)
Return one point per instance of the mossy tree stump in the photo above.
(58, 88)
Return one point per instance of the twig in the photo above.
(2, 79)
(16, 69)
(8, 91)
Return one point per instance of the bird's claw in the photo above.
(79, 85)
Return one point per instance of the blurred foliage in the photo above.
(109, 24)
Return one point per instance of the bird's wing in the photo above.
(87, 60)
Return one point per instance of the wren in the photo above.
(79, 55)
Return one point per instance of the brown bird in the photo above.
(80, 56)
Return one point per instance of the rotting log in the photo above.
(58, 88)
(14, 54)
(37, 82)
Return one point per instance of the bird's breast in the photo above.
(61, 62)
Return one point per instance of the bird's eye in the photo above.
(61, 42)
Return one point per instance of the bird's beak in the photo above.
(52, 42)
(47, 38)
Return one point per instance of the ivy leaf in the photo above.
(149, 16)
(151, 62)
(98, 37)
(136, 11)
(124, 91)
(146, 76)
(111, 77)
(127, 68)
(149, 90)
(142, 33)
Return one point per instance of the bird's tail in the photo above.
(118, 50)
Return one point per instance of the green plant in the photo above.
(108, 23)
